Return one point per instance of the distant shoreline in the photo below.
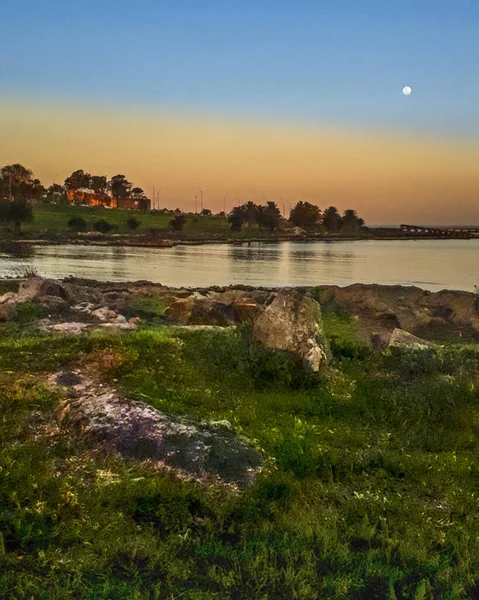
(107, 241)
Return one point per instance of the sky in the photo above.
(280, 100)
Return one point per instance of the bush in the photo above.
(133, 223)
(178, 222)
(102, 226)
(77, 224)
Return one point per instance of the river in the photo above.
(430, 264)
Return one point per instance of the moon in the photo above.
(406, 90)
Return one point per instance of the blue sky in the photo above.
(336, 62)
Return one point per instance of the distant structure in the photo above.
(457, 232)
(88, 197)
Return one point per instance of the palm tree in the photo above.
(332, 219)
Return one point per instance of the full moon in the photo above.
(406, 90)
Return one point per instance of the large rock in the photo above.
(77, 294)
(293, 322)
(136, 430)
(403, 339)
(37, 287)
(406, 307)
(217, 308)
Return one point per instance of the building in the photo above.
(88, 197)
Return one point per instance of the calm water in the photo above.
(430, 264)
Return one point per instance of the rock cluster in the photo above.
(284, 320)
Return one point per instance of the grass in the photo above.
(370, 490)
(52, 220)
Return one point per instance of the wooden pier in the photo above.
(440, 232)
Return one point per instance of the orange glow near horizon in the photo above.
(387, 178)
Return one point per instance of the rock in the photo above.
(119, 325)
(217, 308)
(8, 298)
(403, 339)
(104, 314)
(136, 430)
(84, 307)
(52, 304)
(72, 327)
(78, 294)
(293, 322)
(37, 287)
(406, 307)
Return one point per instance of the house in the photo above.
(88, 197)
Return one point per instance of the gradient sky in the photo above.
(262, 100)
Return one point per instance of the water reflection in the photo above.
(433, 264)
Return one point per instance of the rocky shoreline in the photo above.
(111, 241)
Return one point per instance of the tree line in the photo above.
(18, 183)
(19, 187)
(305, 215)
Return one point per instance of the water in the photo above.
(430, 264)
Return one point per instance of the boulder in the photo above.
(105, 315)
(8, 298)
(37, 287)
(403, 339)
(204, 451)
(77, 294)
(52, 304)
(293, 322)
(217, 308)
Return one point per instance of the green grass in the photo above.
(52, 220)
(370, 490)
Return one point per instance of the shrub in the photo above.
(133, 223)
(102, 226)
(178, 222)
(77, 224)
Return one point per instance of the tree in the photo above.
(206, 212)
(332, 219)
(305, 215)
(17, 211)
(250, 213)
(16, 182)
(271, 216)
(99, 184)
(37, 190)
(78, 179)
(237, 217)
(137, 193)
(120, 187)
(178, 222)
(56, 190)
(350, 222)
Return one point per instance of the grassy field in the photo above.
(53, 220)
(370, 491)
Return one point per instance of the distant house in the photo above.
(141, 203)
(88, 197)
